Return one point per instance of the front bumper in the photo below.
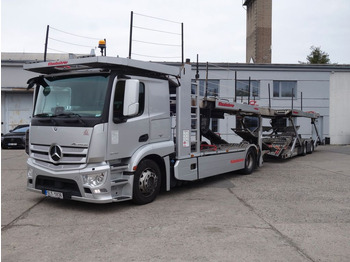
(116, 186)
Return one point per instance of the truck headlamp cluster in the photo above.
(94, 180)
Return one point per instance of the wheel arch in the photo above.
(162, 166)
(160, 155)
(160, 150)
(257, 153)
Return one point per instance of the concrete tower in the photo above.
(259, 20)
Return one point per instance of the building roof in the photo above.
(18, 59)
(9, 56)
(270, 67)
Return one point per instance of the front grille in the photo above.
(66, 186)
(70, 155)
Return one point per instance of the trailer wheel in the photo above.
(250, 161)
(312, 148)
(147, 182)
(304, 148)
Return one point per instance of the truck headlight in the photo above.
(94, 180)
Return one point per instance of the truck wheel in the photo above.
(147, 181)
(250, 162)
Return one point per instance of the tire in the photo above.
(147, 182)
(303, 153)
(249, 162)
(312, 148)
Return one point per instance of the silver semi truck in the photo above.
(109, 129)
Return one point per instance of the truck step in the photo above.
(119, 167)
(119, 182)
(122, 198)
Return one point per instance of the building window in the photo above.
(213, 87)
(214, 124)
(284, 88)
(243, 88)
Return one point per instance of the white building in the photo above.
(324, 88)
(16, 100)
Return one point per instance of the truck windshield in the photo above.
(82, 96)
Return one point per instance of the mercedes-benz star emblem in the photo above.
(55, 153)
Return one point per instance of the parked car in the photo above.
(16, 138)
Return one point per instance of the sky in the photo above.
(215, 30)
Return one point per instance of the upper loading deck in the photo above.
(129, 66)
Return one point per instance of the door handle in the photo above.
(143, 138)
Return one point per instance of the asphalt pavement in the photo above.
(292, 210)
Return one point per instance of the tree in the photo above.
(317, 56)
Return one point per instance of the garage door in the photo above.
(16, 110)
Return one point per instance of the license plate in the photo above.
(12, 144)
(53, 194)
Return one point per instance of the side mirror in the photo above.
(131, 97)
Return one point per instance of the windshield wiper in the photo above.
(48, 118)
(51, 118)
(42, 115)
(70, 115)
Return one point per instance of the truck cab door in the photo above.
(128, 119)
